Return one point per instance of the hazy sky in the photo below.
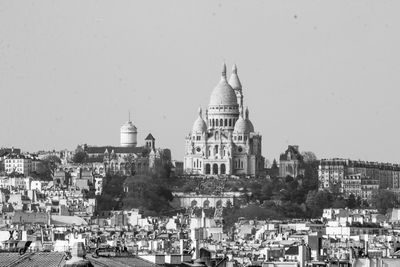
(321, 74)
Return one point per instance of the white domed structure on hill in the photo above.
(224, 142)
(128, 134)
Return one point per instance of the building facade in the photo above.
(18, 163)
(360, 178)
(290, 162)
(128, 158)
(224, 142)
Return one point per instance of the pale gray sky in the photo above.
(320, 74)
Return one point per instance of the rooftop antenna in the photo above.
(129, 116)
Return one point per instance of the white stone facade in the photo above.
(225, 143)
(19, 164)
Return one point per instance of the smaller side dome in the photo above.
(250, 125)
(199, 125)
(244, 125)
(241, 126)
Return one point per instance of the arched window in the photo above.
(226, 122)
(223, 168)
(230, 122)
(208, 168)
(216, 122)
(215, 168)
(221, 122)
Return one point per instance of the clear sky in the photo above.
(323, 75)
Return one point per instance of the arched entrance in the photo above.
(206, 204)
(215, 168)
(223, 168)
(208, 168)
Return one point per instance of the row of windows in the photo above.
(239, 138)
(12, 169)
(15, 165)
(239, 164)
(15, 160)
(197, 164)
(222, 122)
(224, 108)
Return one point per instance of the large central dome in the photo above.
(223, 94)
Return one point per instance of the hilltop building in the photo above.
(360, 178)
(290, 162)
(224, 142)
(127, 158)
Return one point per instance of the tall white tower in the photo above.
(128, 134)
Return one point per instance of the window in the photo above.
(226, 122)
(198, 138)
(230, 122)
(221, 122)
(240, 138)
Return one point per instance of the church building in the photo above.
(224, 141)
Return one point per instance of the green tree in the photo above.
(309, 156)
(46, 167)
(384, 200)
(317, 201)
(351, 202)
(145, 192)
(79, 157)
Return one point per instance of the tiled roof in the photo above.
(120, 262)
(150, 137)
(47, 259)
(294, 250)
(4, 151)
(67, 220)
